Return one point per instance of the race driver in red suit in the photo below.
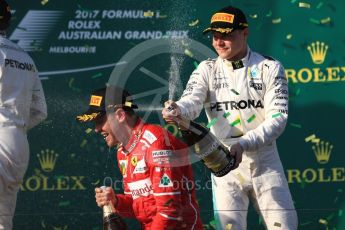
(157, 175)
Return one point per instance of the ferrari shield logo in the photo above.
(134, 160)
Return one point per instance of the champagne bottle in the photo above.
(207, 147)
(111, 219)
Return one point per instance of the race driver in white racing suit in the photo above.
(246, 95)
(22, 106)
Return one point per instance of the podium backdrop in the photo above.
(78, 44)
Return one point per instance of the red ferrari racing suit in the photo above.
(158, 180)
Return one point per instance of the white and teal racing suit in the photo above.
(22, 106)
(247, 101)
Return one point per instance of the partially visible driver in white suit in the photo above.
(22, 106)
(246, 95)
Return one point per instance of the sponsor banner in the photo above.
(141, 188)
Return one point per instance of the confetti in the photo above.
(316, 140)
(276, 21)
(296, 125)
(195, 64)
(128, 104)
(289, 36)
(213, 223)
(253, 16)
(188, 53)
(269, 14)
(325, 20)
(88, 130)
(168, 202)
(43, 2)
(197, 148)
(304, 5)
(330, 217)
(298, 92)
(228, 226)
(235, 92)
(97, 75)
(163, 16)
(95, 183)
(323, 221)
(148, 14)
(236, 122)
(309, 138)
(276, 115)
(83, 143)
(64, 203)
(276, 224)
(70, 83)
(306, 223)
(315, 21)
(212, 122)
(194, 23)
(227, 114)
(251, 118)
(319, 5)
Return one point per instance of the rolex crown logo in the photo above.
(318, 51)
(322, 151)
(47, 159)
